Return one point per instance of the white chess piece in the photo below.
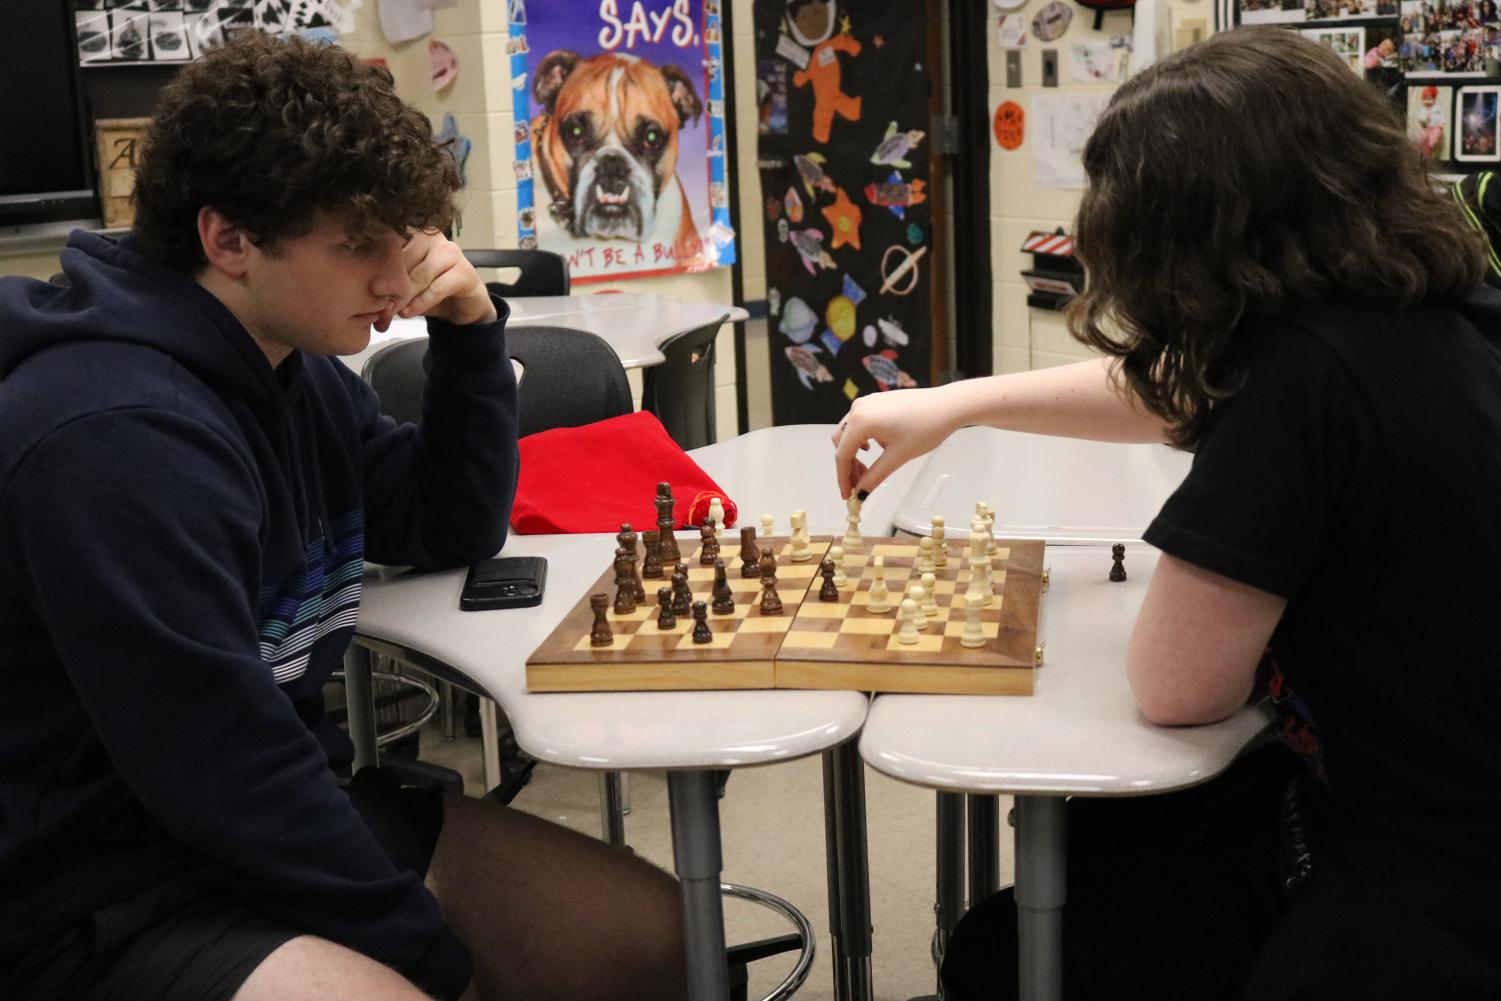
(919, 598)
(974, 632)
(800, 524)
(924, 560)
(852, 540)
(908, 616)
(800, 552)
(940, 545)
(766, 526)
(716, 511)
(880, 595)
(836, 553)
(929, 586)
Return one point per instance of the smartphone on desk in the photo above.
(504, 582)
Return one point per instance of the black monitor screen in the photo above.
(44, 171)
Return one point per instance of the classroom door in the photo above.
(847, 183)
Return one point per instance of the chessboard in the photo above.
(813, 644)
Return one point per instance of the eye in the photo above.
(575, 130)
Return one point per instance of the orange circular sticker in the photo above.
(1009, 122)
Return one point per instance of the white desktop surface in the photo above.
(614, 730)
(635, 325)
(1064, 490)
(1080, 733)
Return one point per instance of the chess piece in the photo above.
(800, 552)
(924, 561)
(665, 618)
(666, 522)
(1118, 567)
(682, 598)
(651, 564)
(880, 596)
(701, 631)
(625, 588)
(836, 553)
(800, 519)
(852, 540)
(940, 544)
(974, 632)
(599, 633)
(724, 598)
(930, 588)
(908, 615)
(919, 599)
(771, 602)
(766, 526)
(768, 562)
(829, 591)
(716, 512)
(708, 550)
(627, 540)
(749, 554)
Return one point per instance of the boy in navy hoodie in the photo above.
(188, 486)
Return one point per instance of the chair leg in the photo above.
(359, 698)
(446, 699)
(489, 744)
(612, 808)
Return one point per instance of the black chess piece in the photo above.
(749, 554)
(666, 522)
(599, 633)
(708, 550)
(701, 631)
(1118, 567)
(724, 598)
(828, 592)
(625, 585)
(682, 598)
(651, 564)
(771, 602)
(665, 618)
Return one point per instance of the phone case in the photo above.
(504, 582)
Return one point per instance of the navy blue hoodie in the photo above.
(182, 529)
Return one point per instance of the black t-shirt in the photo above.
(1358, 475)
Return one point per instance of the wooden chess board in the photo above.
(838, 645)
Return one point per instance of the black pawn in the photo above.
(665, 618)
(1118, 568)
(828, 592)
(625, 582)
(724, 598)
(682, 598)
(701, 631)
(771, 602)
(599, 633)
(708, 550)
(749, 554)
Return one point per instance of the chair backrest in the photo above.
(569, 377)
(396, 374)
(542, 271)
(680, 391)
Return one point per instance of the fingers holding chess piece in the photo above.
(852, 539)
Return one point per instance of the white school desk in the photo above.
(635, 325)
(1065, 490)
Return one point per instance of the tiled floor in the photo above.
(772, 829)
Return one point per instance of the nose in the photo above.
(389, 278)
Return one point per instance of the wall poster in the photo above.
(620, 140)
(842, 92)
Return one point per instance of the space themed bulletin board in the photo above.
(843, 161)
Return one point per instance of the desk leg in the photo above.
(849, 872)
(359, 700)
(693, 799)
(950, 866)
(612, 808)
(1041, 890)
(984, 823)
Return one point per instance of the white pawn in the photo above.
(924, 555)
(836, 553)
(940, 546)
(766, 526)
(974, 632)
(908, 616)
(919, 598)
(929, 586)
(852, 540)
(716, 511)
(880, 596)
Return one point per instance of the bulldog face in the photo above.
(611, 139)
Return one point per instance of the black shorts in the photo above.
(190, 938)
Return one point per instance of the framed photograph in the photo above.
(1428, 120)
(93, 36)
(1347, 43)
(1272, 11)
(169, 38)
(1477, 125)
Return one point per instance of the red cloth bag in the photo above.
(593, 478)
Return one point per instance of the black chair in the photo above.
(542, 271)
(680, 391)
(568, 378)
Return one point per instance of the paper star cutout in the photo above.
(844, 219)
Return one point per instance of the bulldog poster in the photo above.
(619, 108)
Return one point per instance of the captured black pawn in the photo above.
(701, 631)
(1118, 568)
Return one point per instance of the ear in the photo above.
(550, 75)
(684, 97)
(225, 245)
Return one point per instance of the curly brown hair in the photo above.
(1232, 181)
(270, 131)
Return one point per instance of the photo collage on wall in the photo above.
(179, 31)
(1439, 61)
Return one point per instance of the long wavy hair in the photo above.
(1232, 181)
(271, 131)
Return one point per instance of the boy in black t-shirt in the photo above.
(1277, 286)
